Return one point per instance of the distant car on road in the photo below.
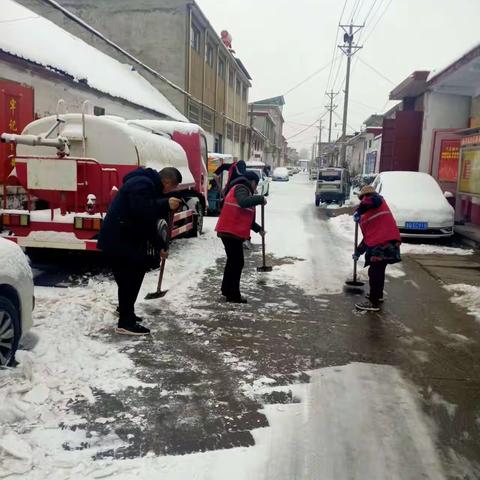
(16, 299)
(280, 174)
(417, 203)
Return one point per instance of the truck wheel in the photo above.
(197, 229)
(10, 331)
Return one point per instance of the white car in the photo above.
(417, 203)
(263, 187)
(280, 174)
(16, 299)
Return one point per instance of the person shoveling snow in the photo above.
(129, 226)
(380, 244)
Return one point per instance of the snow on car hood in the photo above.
(416, 197)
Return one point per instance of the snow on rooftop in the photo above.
(438, 70)
(34, 38)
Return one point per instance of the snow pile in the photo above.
(467, 296)
(31, 37)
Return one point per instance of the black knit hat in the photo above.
(249, 175)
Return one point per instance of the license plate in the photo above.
(416, 225)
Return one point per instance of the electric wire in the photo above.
(305, 80)
(380, 74)
(335, 48)
(306, 128)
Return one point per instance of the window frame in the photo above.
(195, 38)
(209, 55)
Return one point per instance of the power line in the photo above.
(379, 19)
(354, 12)
(380, 74)
(370, 11)
(334, 54)
(307, 79)
(305, 129)
(340, 118)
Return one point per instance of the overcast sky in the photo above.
(282, 42)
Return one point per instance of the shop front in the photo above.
(468, 185)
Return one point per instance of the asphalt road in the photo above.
(202, 398)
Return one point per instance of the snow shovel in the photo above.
(264, 267)
(355, 282)
(159, 293)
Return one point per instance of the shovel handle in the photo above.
(355, 261)
(263, 236)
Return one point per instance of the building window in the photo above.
(237, 133)
(231, 78)
(98, 111)
(239, 87)
(229, 131)
(244, 92)
(195, 38)
(369, 144)
(194, 113)
(207, 120)
(209, 55)
(221, 68)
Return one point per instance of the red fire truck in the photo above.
(67, 168)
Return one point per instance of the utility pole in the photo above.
(319, 151)
(330, 108)
(250, 143)
(349, 49)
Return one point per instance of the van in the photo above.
(333, 186)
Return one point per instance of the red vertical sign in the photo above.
(16, 111)
(449, 156)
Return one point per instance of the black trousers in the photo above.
(129, 276)
(233, 267)
(376, 276)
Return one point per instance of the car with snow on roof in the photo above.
(417, 203)
(16, 299)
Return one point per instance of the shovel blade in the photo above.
(154, 295)
(264, 268)
(354, 283)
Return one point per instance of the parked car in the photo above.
(417, 203)
(333, 186)
(16, 299)
(313, 173)
(280, 174)
(263, 187)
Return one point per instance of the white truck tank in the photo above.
(111, 141)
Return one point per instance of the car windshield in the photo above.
(330, 176)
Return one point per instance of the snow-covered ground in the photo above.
(71, 360)
(468, 296)
(357, 421)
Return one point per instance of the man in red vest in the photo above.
(381, 243)
(236, 220)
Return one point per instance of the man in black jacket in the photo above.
(128, 228)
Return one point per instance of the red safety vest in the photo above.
(234, 219)
(378, 226)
